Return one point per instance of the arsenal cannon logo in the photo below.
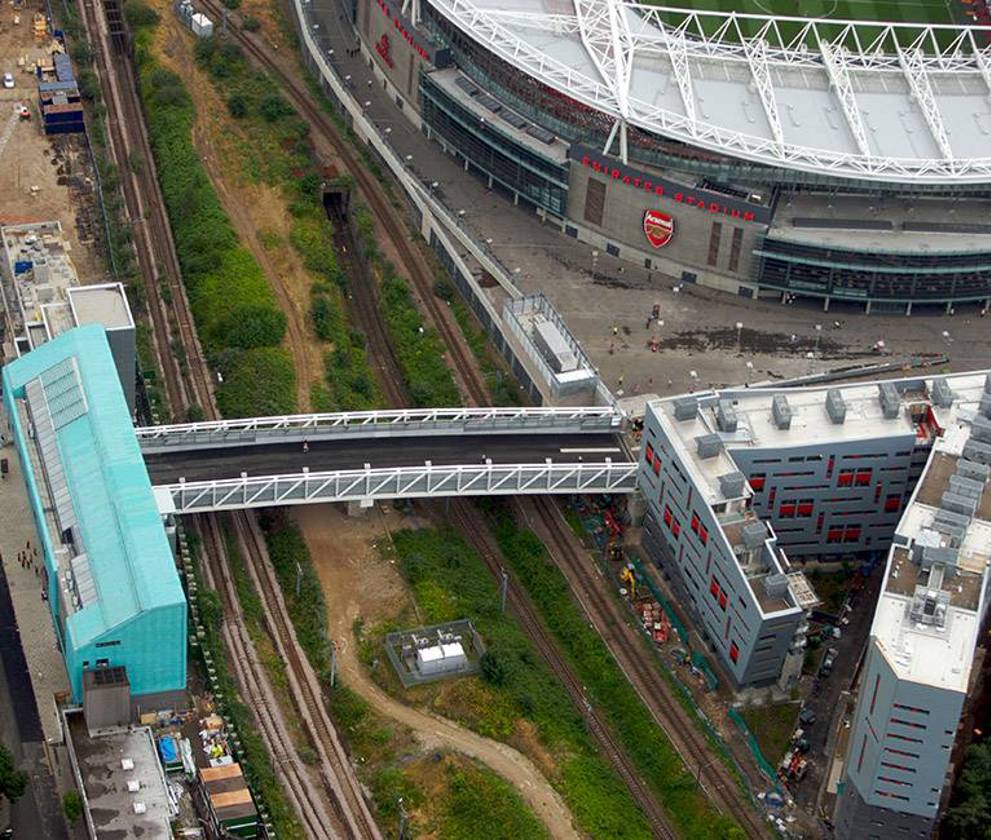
(658, 227)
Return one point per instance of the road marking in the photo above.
(590, 450)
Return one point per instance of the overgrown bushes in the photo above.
(237, 316)
(646, 744)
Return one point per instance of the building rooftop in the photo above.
(914, 413)
(888, 225)
(89, 465)
(41, 290)
(110, 766)
(929, 612)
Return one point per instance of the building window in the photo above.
(657, 465)
(863, 749)
(787, 510)
(734, 249)
(668, 518)
(722, 601)
(892, 503)
(757, 481)
(649, 453)
(703, 534)
(852, 533)
(845, 478)
(714, 237)
(595, 201)
(734, 652)
(877, 684)
(805, 507)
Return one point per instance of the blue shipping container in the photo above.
(22, 265)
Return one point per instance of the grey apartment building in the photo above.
(741, 483)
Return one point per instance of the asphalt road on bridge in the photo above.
(353, 454)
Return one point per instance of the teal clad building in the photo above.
(112, 583)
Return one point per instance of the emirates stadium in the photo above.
(767, 156)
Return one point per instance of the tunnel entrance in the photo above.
(337, 202)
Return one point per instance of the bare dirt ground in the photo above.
(43, 178)
(253, 208)
(359, 583)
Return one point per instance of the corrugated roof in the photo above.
(128, 559)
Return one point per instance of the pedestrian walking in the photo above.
(306, 445)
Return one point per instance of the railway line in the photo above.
(627, 646)
(717, 781)
(336, 807)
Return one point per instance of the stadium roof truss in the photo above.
(912, 102)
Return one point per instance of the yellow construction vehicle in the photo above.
(626, 576)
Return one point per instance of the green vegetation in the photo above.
(300, 587)
(72, 805)
(450, 581)
(606, 684)
(418, 348)
(772, 726)
(257, 764)
(969, 814)
(831, 587)
(477, 797)
(13, 782)
(237, 316)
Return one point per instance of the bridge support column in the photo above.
(637, 508)
(359, 507)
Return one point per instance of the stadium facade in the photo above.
(765, 157)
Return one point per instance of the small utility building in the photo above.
(112, 584)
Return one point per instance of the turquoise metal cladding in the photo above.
(138, 617)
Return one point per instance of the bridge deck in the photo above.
(346, 454)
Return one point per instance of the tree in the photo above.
(970, 814)
(12, 781)
(72, 805)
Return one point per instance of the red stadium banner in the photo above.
(707, 201)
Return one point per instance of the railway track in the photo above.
(626, 644)
(189, 383)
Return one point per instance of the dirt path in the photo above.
(356, 582)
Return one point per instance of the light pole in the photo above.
(739, 336)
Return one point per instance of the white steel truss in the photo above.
(615, 33)
(352, 424)
(914, 66)
(834, 60)
(756, 52)
(400, 483)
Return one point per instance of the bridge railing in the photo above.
(399, 483)
(356, 424)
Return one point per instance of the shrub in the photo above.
(237, 106)
(273, 107)
(251, 23)
(252, 325)
(72, 805)
(139, 14)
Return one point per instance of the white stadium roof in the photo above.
(874, 101)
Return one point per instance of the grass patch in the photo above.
(831, 587)
(450, 581)
(772, 726)
(646, 744)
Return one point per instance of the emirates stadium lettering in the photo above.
(704, 200)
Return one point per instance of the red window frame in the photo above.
(804, 509)
(787, 510)
(863, 477)
(757, 481)
(657, 465)
(722, 601)
(892, 503)
(829, 466)
(734, 652)
(668, 516)
(648, 453)
(852, 533)
(714, 587)
(834, 535)
(676, 529)
(703, 534)
(695, 522)
(845, 478)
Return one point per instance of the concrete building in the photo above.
(109, 573)
(929, 619)
(42, 298)
(739, 481)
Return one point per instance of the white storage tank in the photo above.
(440, 659)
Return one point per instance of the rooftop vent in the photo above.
(685, 408)
(890, 400)
(731, 485)
(776, 585)
(940, 556)
(976, 451)
(781, 411)
(929, 604)
(941, 393)
(726, 416)
(708, 446)
(956, 503)
(980, 429)
(835, 406)
(948, 518)
(971, 469)
(754, 534)
(966, 487)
